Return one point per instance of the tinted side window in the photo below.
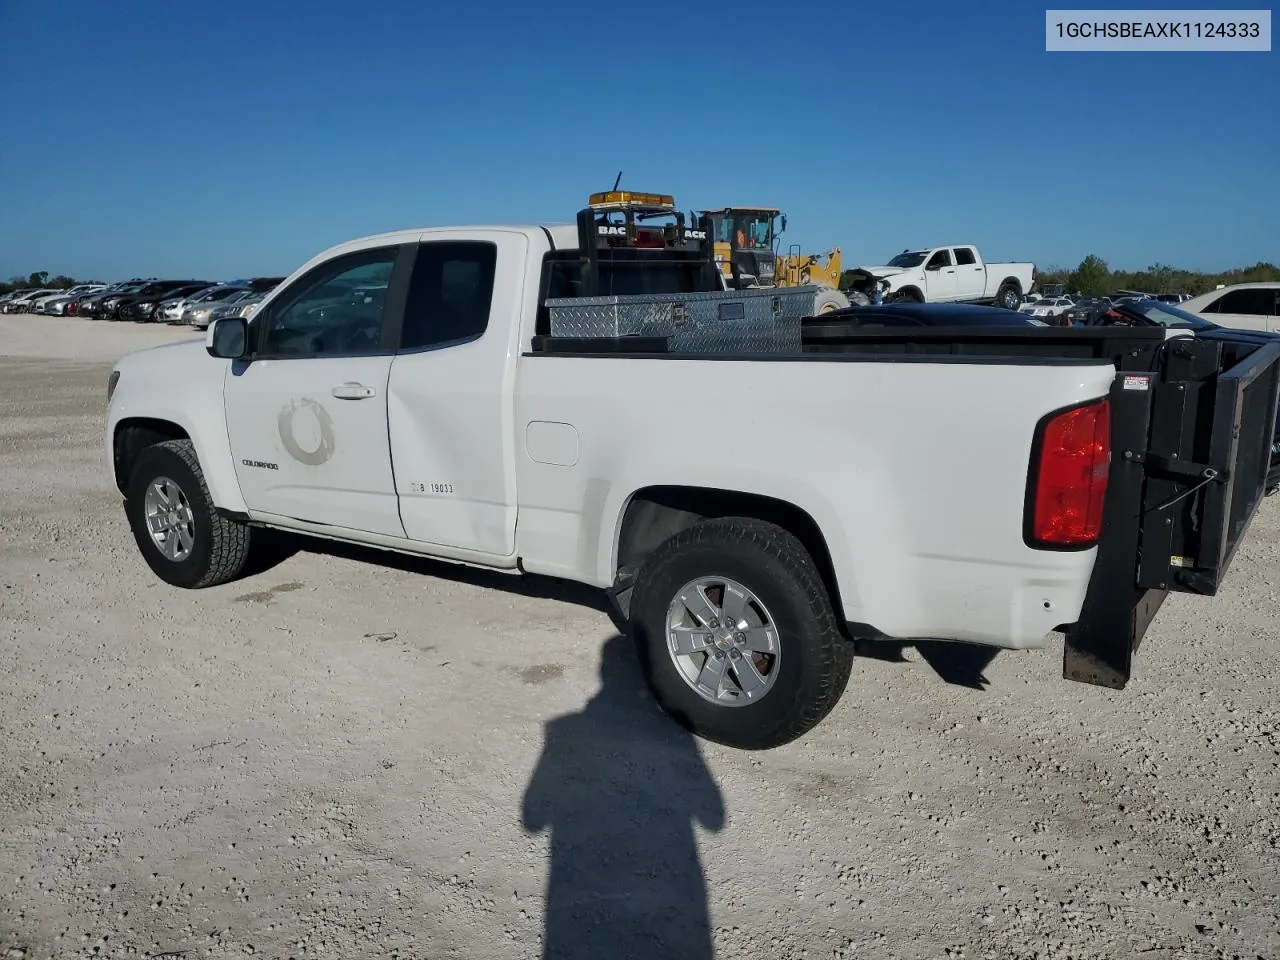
(336, 309)
(940, 259)
(450, 293)
(964, 256)
(1258, 303)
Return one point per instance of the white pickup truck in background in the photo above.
(955, 274)
(749, 512)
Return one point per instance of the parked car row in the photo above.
(1241, 306)
(1246, 306)
(194, 302)
(44, 299)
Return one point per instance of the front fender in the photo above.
(896, 281)
(184, 390)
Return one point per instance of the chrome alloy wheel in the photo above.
(723, 641)
(169, 519)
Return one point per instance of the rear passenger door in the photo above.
(971, 277)
(450, 398)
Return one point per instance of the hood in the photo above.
(172, 359)
(882, 271)
(189, 346)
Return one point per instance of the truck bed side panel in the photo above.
(915, 470)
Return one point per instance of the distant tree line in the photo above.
(1093, 278)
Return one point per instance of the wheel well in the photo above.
(1011, 281)
(135, 435)
(913, 292)
(656, 514)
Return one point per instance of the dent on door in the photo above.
(453, 472)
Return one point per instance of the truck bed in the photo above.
(1192, 425)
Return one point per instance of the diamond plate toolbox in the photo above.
(760, 320)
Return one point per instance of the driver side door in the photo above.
(307, 414)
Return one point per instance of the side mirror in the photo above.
(228, 338)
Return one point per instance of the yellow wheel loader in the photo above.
(746, 248)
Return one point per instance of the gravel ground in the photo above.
(349, 755)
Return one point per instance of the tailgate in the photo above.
(1191, 440)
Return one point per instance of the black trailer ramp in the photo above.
(1116, 612)
(1191, 449)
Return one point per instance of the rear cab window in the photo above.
(450, 294)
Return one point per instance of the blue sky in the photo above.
(234, 138)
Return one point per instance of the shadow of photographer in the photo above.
(619, 786)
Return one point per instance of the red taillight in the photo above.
(1071, 465)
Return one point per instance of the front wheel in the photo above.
(829, 299)
(184, 540)
(736, 634)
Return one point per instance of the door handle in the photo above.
(950, 271)
(352, 391)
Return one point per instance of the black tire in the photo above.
(815, 658)
(904, 296)
(828, 299)
(1008, 296)
(220, 547)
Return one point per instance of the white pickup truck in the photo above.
(749, 513)
(956, 274)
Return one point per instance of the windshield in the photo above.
(1168, 315)
(219, 293)
(746, 230)
(908, 259)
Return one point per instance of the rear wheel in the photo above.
(736, 634)
(1008, 297)
(182, 537)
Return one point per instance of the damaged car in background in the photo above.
(954, 274)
